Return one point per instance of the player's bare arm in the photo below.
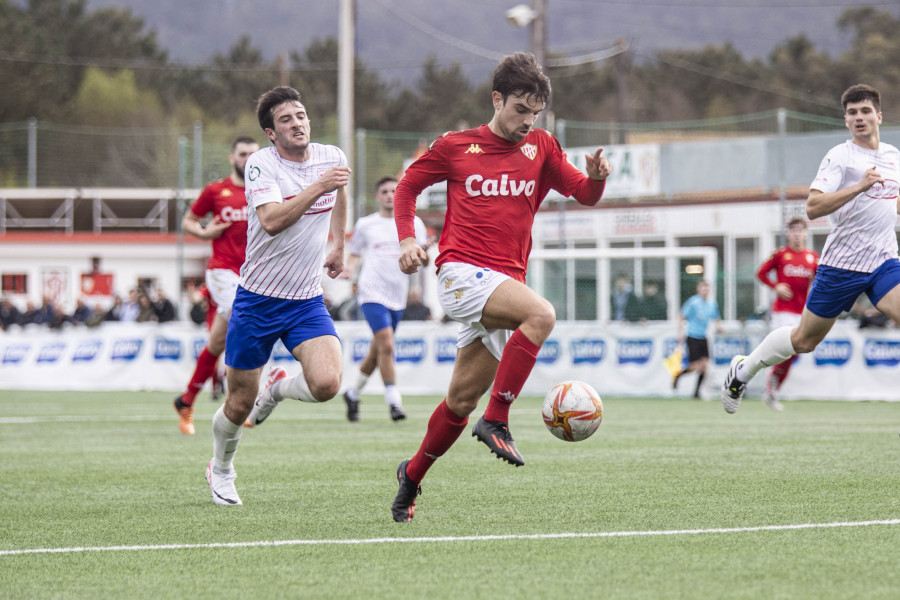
(213, 230)
(412, 256)
(820, 204)
(334, 260)
(275, 217)
(598, 166)
(350, 268)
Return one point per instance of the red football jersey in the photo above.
(227, 201)
(793, 267)
(494, 189)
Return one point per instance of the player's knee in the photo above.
(804, 345)
(325, 388)
(543, 320)
(386, 349)
(462, 405)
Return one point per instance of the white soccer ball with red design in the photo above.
(573, 411)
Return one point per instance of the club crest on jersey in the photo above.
(529, 150)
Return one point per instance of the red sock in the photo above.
(206, 366)
(781, 370)
(519, 356)
(444, 428)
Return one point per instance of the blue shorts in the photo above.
(378, 316)
(835, 290)
(257, 322)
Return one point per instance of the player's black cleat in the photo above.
(497, 437)
(397, 413)
(404, 506)
(352, 407)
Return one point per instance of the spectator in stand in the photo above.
(416, 310)
(146, 312)
(622, 294)
(58, 318)
(165, 310)
(9, 314)
(651, 306)
(81, 313)
(97, 316)
(115, 311)
(348, 310)
(131, 308)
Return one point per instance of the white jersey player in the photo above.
(857, 186)
(296, 192)
(382, 293)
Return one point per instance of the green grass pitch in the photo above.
(102, 497)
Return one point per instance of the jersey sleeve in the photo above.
(204, 204)
(762, 273)
(421, 232)
(831, 172)
(428, 169)
(261, 185)
(687, 309)
(357, 242)
(568, 180)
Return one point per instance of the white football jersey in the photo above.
(863, 235)
(380, 279)
(288, 265)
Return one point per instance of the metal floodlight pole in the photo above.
(782, 175)
(179, 215)
(346, 42)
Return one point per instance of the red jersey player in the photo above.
(226, 202)
(795, 267)
(497, 176)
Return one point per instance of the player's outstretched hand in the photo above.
(597, 166)
(412, 256)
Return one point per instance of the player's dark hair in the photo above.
(520, 75)
(384, 180)
(271, 99)
(797, 221)
(244, 139)
(860, 93)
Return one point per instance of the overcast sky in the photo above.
(394, 36)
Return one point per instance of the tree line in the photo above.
(63, 63)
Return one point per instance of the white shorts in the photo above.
(463, 290)
(222, 285)
(783, 319)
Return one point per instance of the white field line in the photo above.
(439, 540)
(310, 415)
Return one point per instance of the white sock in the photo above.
(226, 436)
(292, 387)
(775, 348)
(361, 380)
(392, 396)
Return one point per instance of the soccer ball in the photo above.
(572, 411)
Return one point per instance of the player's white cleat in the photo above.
(733, 388)
(221, 485)
(265, 403)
